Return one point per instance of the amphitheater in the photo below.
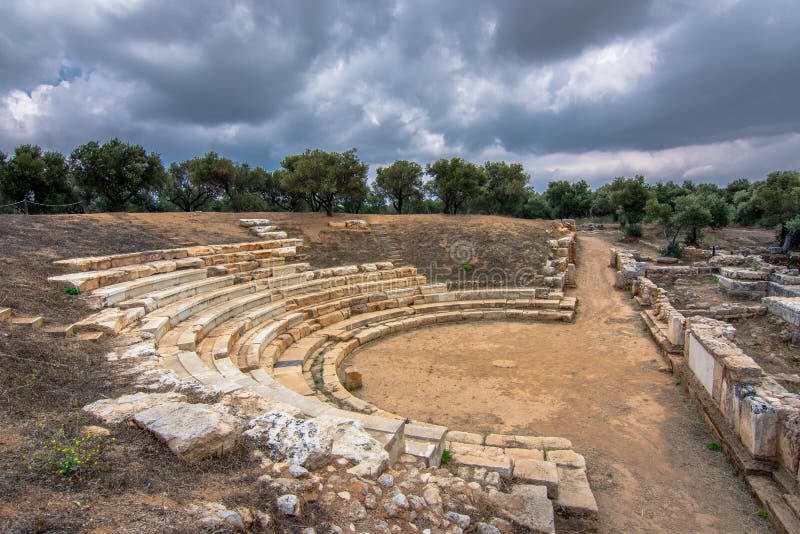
(250, 343)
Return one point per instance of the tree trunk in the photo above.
(787, 242)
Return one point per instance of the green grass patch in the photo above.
(714, 446)
(446, 457)
(72, 290)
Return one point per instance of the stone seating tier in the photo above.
(241, 319)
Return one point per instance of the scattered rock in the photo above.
(432, 495)
(486, 528)
(288, 504)
(386, 480)
(214, 515)
(506, 364)
(298, 471)
(460, 519)
(94, 431)
(401, 500)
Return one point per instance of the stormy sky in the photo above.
(706, 90)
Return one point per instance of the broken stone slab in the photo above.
(313, 443)
(285, 438)
(527, 506)
(567, 458)
(574, 493)
(193, 431)
(113, 411)
(351, 441)
(539, 473)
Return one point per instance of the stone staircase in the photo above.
(389, 247)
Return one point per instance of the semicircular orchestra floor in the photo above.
(596, 382)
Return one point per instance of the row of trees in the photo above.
(117, 176)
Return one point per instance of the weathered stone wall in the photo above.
(750, 405)
(754, 405)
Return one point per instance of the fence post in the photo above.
(25, 204)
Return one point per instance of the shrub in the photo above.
(446, 457)
(70, 457)
(72, 290)
(634, 230)
(467, 267)
(714, 446)
(673, 249)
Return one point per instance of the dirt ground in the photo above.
(698, 292)
(598, 382)
(731, 238)
(498, 250)
(767, 339)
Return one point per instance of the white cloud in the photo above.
(720, 162)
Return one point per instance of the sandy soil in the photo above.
(598, 382)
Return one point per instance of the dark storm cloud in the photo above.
(661, 87)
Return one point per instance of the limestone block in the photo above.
(501, 440)
(702, 363)
(356, 224)
(574, 493)
(286, 438)
(543, 442)
(572, 275)
(675, 329)
(247, 223)
(352, 378)
(527, 506)
(464, 437)
(789, 441)
(502, 466)
(30, 322)
(787, 308)
(109, 320)
(193, 431)
(758, 427)
(538, 472)
(351, 441)
(524, 454)
(743, 274)
(566, 458)
(112, 411)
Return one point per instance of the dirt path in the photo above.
(597, 382)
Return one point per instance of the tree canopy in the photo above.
(455, 182)
(399, 182)
(116, 171)
(321, 177)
